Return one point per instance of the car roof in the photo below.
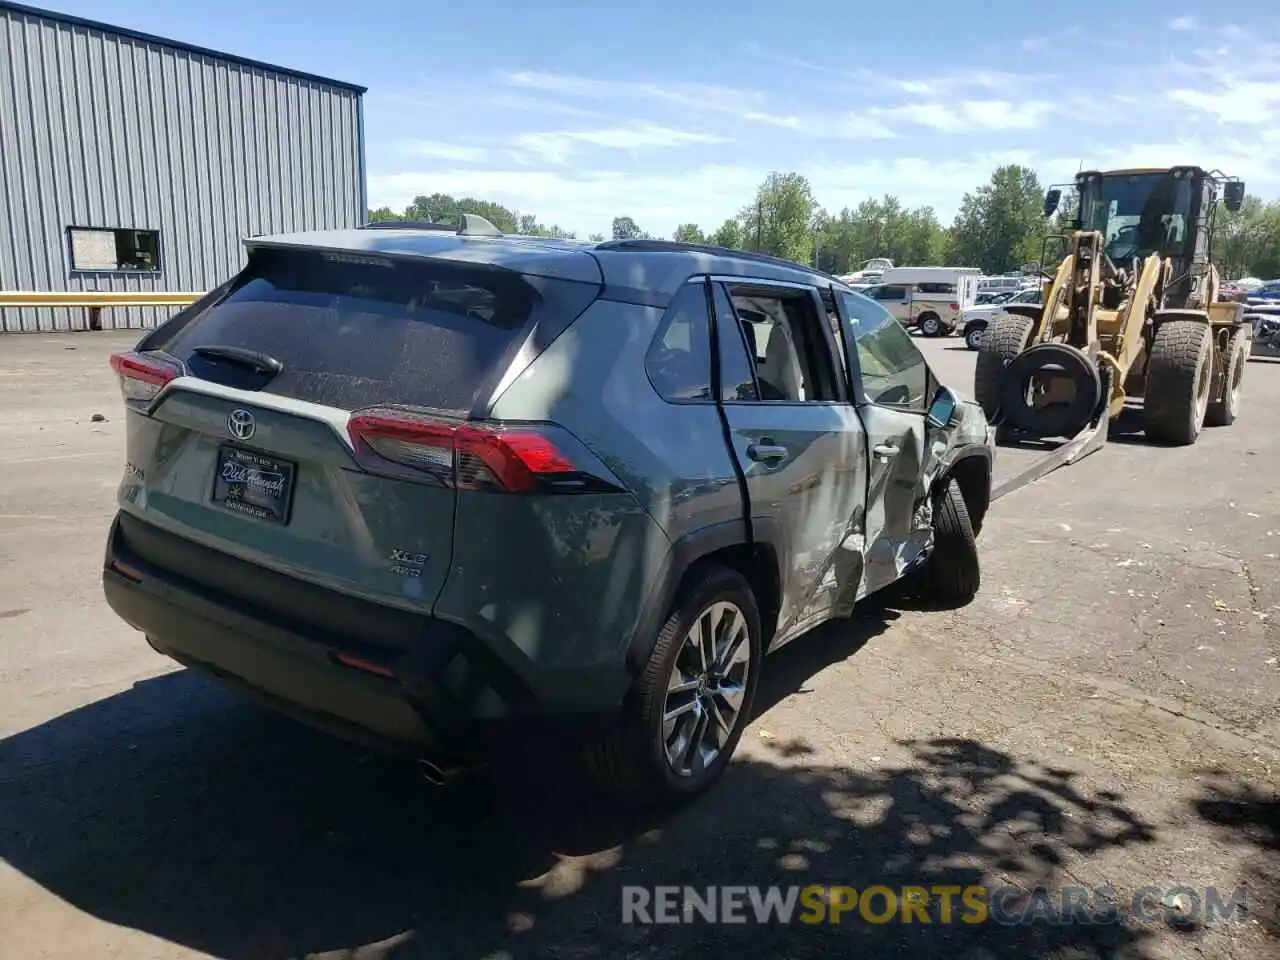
(651, 269)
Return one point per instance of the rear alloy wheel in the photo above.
(706, 689)
(686, 713)
(974, 336)
(930, 325)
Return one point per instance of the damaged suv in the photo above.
(414, 485)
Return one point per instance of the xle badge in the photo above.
(407, 564)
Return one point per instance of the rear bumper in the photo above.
(441, 698)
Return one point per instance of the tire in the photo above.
(631, 758)
(1057, 420)
(1007, 336)
(974, 335)
(1223, 412)
(1179, 381)
(930, 324)
(952, 573)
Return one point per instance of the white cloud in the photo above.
(1234, 101)
(433, 150)
(559, 146)
(975, 115)
(745, 106)
(1183, 24)
(1002, 82)
(697, 97)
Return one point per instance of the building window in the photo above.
(97, 249)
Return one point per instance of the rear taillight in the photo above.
(955, 306)
(143, 375)
(500, 458)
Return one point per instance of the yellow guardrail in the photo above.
(95, 301)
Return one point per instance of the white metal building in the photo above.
(130, 162)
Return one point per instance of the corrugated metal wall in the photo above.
(104, 130)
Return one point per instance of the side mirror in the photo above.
(1051, 199)
(1233, 195)
(942, 412)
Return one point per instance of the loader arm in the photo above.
(1127, 341)
(1043, 329)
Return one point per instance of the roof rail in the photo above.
(676, 246)
(409, 225)
(474, 225)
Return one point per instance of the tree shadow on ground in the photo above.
(1249, 815)
(176, 809)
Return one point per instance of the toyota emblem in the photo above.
(241, 425)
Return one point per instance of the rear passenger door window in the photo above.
(679, 359)
(784, 342)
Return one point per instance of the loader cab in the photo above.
(1168, 212)
(1140, 212)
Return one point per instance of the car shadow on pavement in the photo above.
(1248, 815)
(176, 809)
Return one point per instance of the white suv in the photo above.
(975, 319)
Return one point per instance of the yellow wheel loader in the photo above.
(1133, 311)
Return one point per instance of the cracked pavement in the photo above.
(1104, 714)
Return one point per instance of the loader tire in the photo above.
(952, 574)
(1179, 381)
(1006, 337)
(1223, 411)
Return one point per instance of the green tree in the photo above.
(689, 233)
(1247, 243)
(596, 237)
(882, 228)
(780, 222)
(382, 214)
(624, 228)
(442, 208)
(729, 235)
(1000, 225)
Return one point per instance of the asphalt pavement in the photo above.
(1104, 714)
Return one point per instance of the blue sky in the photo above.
(667, 112)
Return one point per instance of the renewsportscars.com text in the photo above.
(938, 903)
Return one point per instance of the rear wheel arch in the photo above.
(758, 564)
(729, 544)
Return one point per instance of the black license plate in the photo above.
(253, 485)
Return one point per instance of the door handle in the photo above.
(767, 451)
(886, 449)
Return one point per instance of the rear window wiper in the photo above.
(253, 359)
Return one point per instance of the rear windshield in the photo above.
(354, 330)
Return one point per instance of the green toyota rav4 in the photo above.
(415, 485)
